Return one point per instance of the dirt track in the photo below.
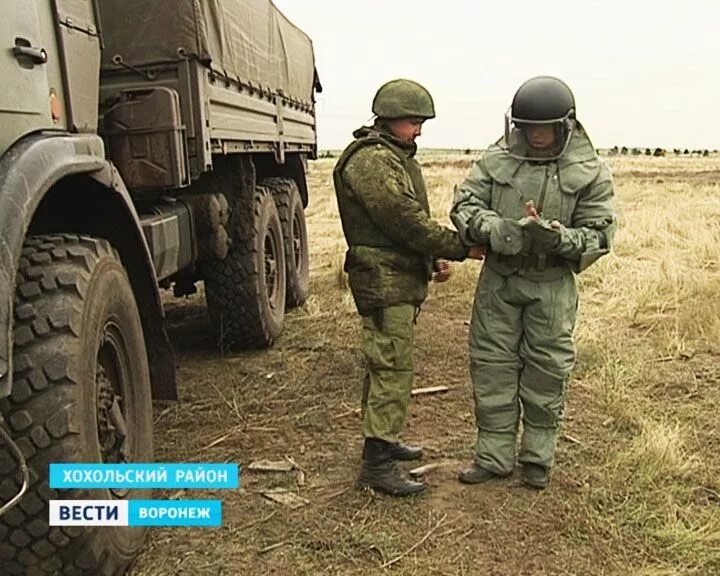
(299, 400)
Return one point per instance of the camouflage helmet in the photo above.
(403, 99)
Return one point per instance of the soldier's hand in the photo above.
(531, 211)
(442, 270)
(545, 235)
(477, 253)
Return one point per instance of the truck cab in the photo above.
(49, 64)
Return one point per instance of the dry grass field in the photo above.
(636, 489)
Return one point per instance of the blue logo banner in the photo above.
(199, 513)
(142, 476)
(203, 513)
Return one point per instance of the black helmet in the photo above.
(543, 100)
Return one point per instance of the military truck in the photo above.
(143, 145)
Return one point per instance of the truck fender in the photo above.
(28, 171)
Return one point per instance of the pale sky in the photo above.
(643, 73)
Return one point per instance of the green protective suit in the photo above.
(392, 242)
(521, 346)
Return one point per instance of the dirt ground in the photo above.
(602, 515)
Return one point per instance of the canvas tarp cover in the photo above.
(248, 40)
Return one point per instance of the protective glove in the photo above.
(546, 236)
(506, 236)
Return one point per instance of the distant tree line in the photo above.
(614, 151)
(657, 152)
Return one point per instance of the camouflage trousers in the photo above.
(521, 356)
(388, 349)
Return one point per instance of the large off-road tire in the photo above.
(245, 291)
(295, 238)
(80, 373)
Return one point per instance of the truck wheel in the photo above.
(245, 291)
(295, 238)
(81, 393)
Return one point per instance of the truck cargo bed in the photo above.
(244, 75)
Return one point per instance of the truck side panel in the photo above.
(219, 116)
(236, 114)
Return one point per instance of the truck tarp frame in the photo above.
(247, 40)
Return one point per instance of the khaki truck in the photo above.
(143, 145)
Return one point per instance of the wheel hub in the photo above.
(271, 267)
(297, 242)
(112, 429)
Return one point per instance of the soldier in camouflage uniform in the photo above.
(542, 201)
(393, 244)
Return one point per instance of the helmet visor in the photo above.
(537, 139)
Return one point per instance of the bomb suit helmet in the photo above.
(540, 103)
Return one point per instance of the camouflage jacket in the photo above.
(385, 216)
(576, 190)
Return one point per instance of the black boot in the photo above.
(399, 451)
(379, 473)
(476, 474)
(535, 476)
